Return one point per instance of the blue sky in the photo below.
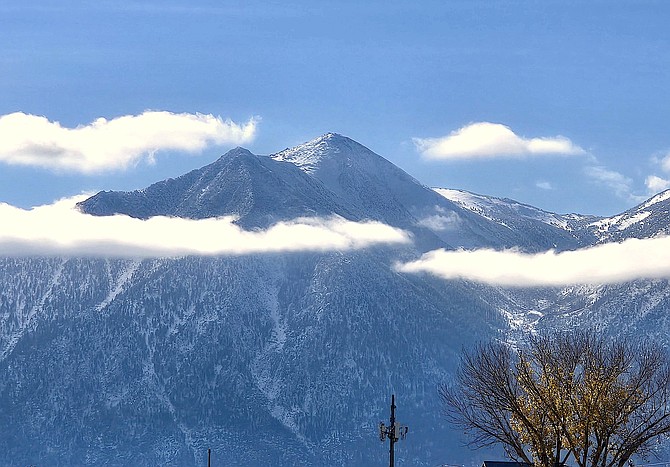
(407, 79)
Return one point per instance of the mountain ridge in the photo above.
(256, 189)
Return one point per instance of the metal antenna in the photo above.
(394, 432)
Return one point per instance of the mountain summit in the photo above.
(308, 156)
(361, 177)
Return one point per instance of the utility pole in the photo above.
(394, 432)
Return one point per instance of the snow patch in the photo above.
(657, 199)
(308, 155)
(119, 285)
(640, 216)
(497, 209)
(604, 225)
(266, 376)
(620, 222)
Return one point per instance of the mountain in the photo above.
(283, 359)
(258, 190)
(331, 174)
(637, 308)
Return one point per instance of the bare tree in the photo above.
(566, 396)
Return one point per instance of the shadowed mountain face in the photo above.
(282, 359)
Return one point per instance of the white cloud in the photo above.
(59, 229)
(544, 185)
(656, 184)
(603, 264)
(615, 180)
(115, 144)
(487, 140)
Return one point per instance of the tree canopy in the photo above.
(575, 397)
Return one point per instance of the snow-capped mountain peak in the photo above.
(309, 156)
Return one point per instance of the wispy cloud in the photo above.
(544, 185)
(105, 145)
(621, 185)
(441, 220)
(489, 140)
(603, 264)
(59, 229)
(665, 162)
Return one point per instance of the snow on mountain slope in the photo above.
(497, 209)
(518, 217)
(649, 219)
(285, 359)
(364, 179)
(370, 183)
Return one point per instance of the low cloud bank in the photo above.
(609, 263)
(488, 140)
(60, 229)
(115, 144)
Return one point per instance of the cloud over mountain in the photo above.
(59, 229)
(602, 264)
(488, 140)
(106, 145)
